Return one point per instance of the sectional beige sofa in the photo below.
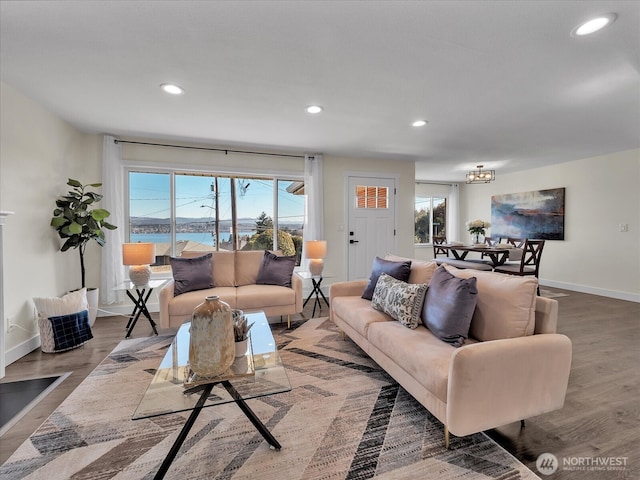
(234, 279)
(513, 366)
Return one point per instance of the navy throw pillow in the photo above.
(397, 270)
(70, 331)
(276, 270)
(192, 273)
(449, 306)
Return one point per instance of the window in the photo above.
(182, 212)
(372, 197)
(430, 216)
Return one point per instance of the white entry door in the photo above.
(371, 222)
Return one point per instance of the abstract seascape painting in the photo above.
(537, 215)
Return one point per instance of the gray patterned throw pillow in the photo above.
(401, 300)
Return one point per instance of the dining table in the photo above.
(497, 254)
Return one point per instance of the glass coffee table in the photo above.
(258, 373)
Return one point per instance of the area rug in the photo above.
(343, 419)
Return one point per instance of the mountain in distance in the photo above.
(250, 222)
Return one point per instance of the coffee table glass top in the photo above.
(166, 392)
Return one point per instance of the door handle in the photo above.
(353, 241)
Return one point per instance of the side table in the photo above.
(316, 280)
(140, 303)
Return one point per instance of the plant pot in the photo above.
(241, 348)
(93, 296)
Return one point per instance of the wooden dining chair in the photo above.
(492, 241)
(529, 263)
(439, 247)
(516, 242)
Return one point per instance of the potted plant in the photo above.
(241, 334)
(77, 223)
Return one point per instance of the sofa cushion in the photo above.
(402, 300)
(275, 270)
(258, 297)
(357, 312)
(421, 271)
(449, 306)
(418, 352)
(505, 307)
(191, 274)
(247, 266)
(398, 270)
(224, 266)
(186, 303)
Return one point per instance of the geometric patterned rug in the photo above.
(345, 418)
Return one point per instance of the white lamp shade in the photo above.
(138, 253)
(316, 249)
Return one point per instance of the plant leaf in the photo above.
(74, 183)
(100, 214)
(75, 228)
(57, 222)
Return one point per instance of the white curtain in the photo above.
(113, 273)
(313, 189)
(453, 214)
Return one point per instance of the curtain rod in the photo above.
(225, 150)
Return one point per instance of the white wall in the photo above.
(601, 193)
(336, 170)
(38, 153)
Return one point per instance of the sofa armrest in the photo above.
(502, 381)
(296, 284)
(348, 289)
(164, 297)
(546, 315)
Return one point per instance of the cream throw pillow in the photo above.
(506, 304)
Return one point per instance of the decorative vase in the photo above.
(211, 345)
(241, 348)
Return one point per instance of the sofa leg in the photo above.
(522, 424)
(447, 444)
(289, 322)
(342, 334)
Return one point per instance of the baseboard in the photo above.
(22, 349)
(603, 292)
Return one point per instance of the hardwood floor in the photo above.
(601, 417)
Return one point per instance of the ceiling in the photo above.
(501, 83)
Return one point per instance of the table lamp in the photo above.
(316, 250)
(139, 256)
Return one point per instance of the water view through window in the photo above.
(214, 213)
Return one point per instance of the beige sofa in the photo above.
(513, 366)
(234, 278)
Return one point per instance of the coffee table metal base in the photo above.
(206, 391)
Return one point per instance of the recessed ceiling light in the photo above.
(594, 25)
(313, 109)
(419, 123)
(172, 89)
